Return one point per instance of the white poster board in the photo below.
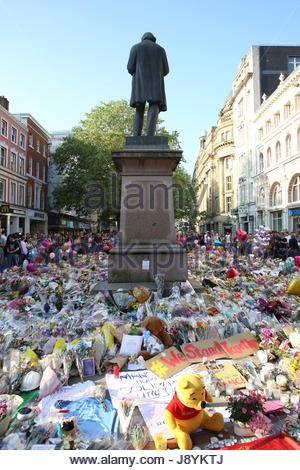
(148, 392)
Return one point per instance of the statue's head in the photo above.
(149, 36)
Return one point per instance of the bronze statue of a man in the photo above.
(148, 66)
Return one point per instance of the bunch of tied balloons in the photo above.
(261, 240)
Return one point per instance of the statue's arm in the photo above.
(131, 66)
(165, 63)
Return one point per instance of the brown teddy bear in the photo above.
(157, 328)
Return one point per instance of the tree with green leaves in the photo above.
(88, 174)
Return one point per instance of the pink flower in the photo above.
(230, 399)
(244, 411)
(248, 401)
(252, 412)
(241, 394)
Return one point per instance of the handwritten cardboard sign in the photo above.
(226, 373)
(235, 347)
(209, 348)
(239, 346)
(229, 375)
(168, 363)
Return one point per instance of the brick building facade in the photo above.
(13, 174)
(37, 175)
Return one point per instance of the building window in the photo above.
(2, 190)
(22, 140)
(287, 110)
(37, 197)
(228, 183)
(293, 62)
(260, 163)
(275, 197)
(22, 166)
(260, 133)
(277, 119)
(21, 195)
(241, 108)
(13, 161)
(228, 204)
(295, 193)
(298, 139)
(44, 150)
(38, 146)
(261, 197)
(37, 170)
(31, 140)
(269, 156)
(3, 153)
(288, 146)
(228, 135)
(277, 221)
(297, 102)
(251, 191)
(228, 163)
(12, 197)
(29, 196)
(44, 172)
(30, 166)
(14, 135)
(278, 152)
(268, 127)
(242, 193)
(42, 200)
(3, 128)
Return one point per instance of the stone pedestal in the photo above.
(147, 229)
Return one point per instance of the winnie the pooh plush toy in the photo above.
(185, 412)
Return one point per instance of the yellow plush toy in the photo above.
(185, 412)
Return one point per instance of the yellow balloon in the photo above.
(294, 287)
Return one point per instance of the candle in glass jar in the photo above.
(262, 356)
(281, 380)
(276, 393)
(285, 398)
(294, 399)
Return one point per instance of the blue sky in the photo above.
(60, 58)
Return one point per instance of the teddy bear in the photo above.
(185, 413)
(157, 328)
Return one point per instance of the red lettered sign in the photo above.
(209, 348)
(239, 346)
(235, 347)
(168, 363)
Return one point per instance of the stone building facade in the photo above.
(277, 149)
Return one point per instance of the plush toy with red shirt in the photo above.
(185, 413)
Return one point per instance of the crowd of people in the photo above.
(280, 245)
(16, 248)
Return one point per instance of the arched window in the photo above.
(261, 197)
(269, 157)
(295, 189)
(278, 152)
(288, 146)
(298, 139)
(275, 195)
(261, 162)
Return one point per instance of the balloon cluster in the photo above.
(261, 240)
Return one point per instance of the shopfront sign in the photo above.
(4, 209)
(39, 215)
(243, 210)
(295, 212)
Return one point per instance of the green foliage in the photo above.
(243, 407)
(85, 160)
(184, 191)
